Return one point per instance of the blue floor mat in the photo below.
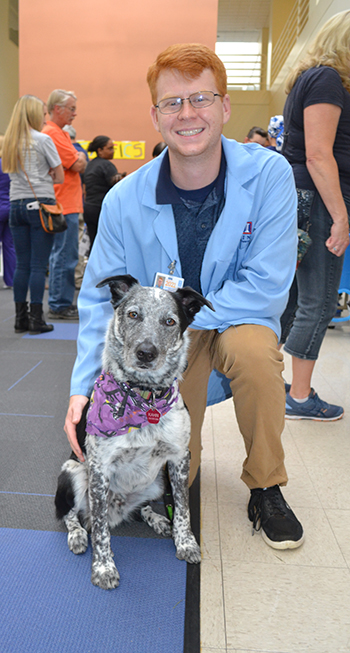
(61, 331)
(48, 604)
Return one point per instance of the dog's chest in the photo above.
(132, 462)
(135, 468)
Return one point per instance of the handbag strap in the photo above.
(33, 191)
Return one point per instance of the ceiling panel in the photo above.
(247, 15)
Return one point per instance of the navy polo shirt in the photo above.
(195, 212)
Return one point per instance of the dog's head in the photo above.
(146, 341)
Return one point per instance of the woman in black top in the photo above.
(316, 144)
(100, 175)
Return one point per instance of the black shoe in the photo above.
(37, 323)
(69, 313)
(269, 512)
(22, 319)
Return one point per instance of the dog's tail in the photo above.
(64, 499)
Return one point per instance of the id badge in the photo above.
(168, 282)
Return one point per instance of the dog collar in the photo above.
(117, 408)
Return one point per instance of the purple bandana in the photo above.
(116, 409)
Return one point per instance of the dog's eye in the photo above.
(169, 321)
(133, 315)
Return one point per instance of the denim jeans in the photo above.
(63, 261)
(313, 297)
(33, 246)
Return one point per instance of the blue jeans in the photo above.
(63, 260)
(313, 297)
(33, 246)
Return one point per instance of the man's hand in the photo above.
(74, 413)
(80, 164)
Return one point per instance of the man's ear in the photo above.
(119, 287)
(226, 106)
(154, 117)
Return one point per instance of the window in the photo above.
(243, 63)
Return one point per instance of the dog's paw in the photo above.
(189, 551)
(77, 540)
(160, 524)
(105, 576)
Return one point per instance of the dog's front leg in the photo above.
(185, 542)
(104, 572)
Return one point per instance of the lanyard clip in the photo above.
(171, 267)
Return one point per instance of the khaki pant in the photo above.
(248, 356)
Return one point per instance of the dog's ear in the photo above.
(119, 286)
(191, 302)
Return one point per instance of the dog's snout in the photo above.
(146, 352)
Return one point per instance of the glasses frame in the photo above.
(182, 100)
(71, 109)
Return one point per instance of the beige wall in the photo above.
(8, 68)
(279, 14)
(248, 108)
(319, 12)
(101, 49)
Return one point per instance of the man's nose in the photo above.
(187, 110)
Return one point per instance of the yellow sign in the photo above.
(122, 149)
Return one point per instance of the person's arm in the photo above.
(74, 413)
(57, 174)
(114, 180)
(258, 280)
(80, 164)
(320, 127)
(95, 310)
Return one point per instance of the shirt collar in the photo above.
(166, 191)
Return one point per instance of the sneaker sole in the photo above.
(314, 419)
(287, 544)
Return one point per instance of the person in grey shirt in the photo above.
(32, 162)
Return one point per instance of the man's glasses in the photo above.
(72, 109)
(199, 100)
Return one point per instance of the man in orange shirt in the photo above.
(61, 107)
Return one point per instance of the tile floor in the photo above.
(257, 599)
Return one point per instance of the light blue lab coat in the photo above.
(248, 265)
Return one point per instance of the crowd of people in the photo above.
(42, 162)
(188, 213)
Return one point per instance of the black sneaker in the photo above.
(69, 313)
(269, 512)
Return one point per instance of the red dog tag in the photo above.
(153, 416)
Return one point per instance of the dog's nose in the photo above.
(146, 352)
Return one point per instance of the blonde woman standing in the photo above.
(317, 144)
(28, 152)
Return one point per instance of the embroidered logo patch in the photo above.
(247, 233)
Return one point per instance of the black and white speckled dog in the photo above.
(136, 423)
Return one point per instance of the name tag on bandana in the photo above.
(168, 282)
(247, 233)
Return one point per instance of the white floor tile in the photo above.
(212, 606)
(340, 523)
(287, 608)
(256, 599)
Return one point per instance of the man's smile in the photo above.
(189, 132)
